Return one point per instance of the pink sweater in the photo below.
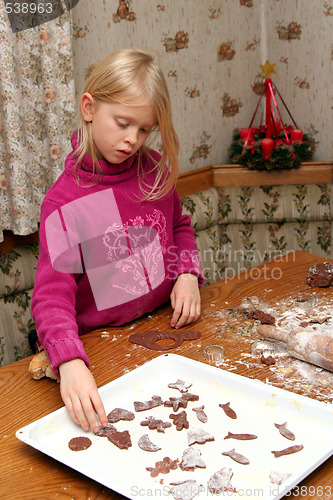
(106, 257)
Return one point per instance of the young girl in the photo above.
(113, 241)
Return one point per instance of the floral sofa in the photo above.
(236, 228)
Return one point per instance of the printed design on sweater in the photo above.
(137, 250)
(122, 263)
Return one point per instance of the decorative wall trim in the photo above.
(237, 175)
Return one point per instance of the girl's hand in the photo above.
(79, 393)
(185, 300)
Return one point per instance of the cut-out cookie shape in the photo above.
(164, 467)
(148, 405)
(180, 402)
(201, 415)
(228, 411)
(288, 451)
(243, 437)
(120, 439)
(79, 443)
(149, 339)
(180, 385)
(199, 436)
(155, 423)
(180, 420)
(104, 431)
(185, 490)
(220, 481)
(237, 457)
(285, 432)
(146, 445)
(192, 459)
(120, 414)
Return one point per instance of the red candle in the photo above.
(296, 135)
(277, 127)
(244, 133)
(267, 146)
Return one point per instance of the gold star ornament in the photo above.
(267, 69)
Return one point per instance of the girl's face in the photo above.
(118, 130)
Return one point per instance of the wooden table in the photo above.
(25, 473)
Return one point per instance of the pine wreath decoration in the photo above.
(274, 145)
(283, 156)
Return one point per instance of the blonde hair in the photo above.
(132, 77)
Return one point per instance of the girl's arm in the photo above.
(185, 300)
(79, 393)
(53, 309)
(185, 295)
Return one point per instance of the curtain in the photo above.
(37, 108)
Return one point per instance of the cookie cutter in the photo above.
(263, 348)
(213, 353)
(249, 328)
(227, 331)
(254, 302)
(237, 312)
(307, 302)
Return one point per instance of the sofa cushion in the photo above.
(260, 204)
(15, 320)
(18, 268)
(202, 207)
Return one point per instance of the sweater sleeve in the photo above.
(188, 260)
(53, 301)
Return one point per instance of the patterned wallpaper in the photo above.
(210, 52)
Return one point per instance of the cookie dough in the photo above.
(237, 457)
(149, 339)
(320, 275)
(192, 459)
(146, 445)
(79, 443)
(120, 414)
(228, 411)
(288, 451)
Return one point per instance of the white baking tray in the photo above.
(258, 406)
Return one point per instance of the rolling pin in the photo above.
(303, 344)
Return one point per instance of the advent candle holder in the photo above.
(273, 144)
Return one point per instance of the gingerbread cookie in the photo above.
(227, 410)
(288, 451)
(220, 481)
(185, 490)
(237, 457)
(164, 467)
(285, 432)
(180, 402)
(191, 460)
(104, 431)
(146, 445)
(154, 423)
(121, 439)
(149, 339)
(243, 437)
(119, 414)
(201, 415)
(180, 385)
(180, 420)
(79, 443)
(148, 405)
(199, 436)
